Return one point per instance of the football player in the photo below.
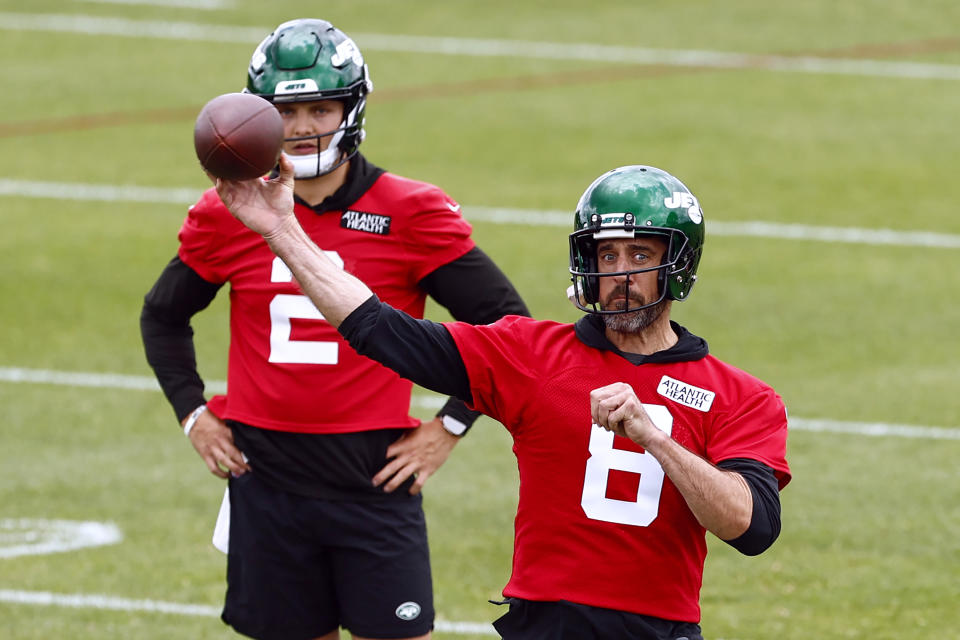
(632, 440)
(322, 520)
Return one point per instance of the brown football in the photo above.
(238, 136)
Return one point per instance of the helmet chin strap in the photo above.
(317, 164)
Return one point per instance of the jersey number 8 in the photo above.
(604, 458)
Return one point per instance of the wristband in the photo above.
(453, 426)
(192, 419)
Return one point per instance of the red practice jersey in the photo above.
(598, 522)
(289, 369)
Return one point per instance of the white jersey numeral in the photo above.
(283, 308)
(604, 458)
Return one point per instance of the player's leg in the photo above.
(278, 577)
(381, 564)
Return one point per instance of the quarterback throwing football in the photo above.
(632, 440)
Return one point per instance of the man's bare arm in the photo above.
(721, 500)
(266, 206)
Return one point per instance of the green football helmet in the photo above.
(629, 202)
(305, 60)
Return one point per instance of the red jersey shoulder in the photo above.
(712, 386)
(408, 196)
(209, 212)
(536, 334)
(744, 417)
(727, 380)
(210, 235)
(424, 220)
(517, 342)
(528, 334)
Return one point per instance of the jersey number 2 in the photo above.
(604, 458)
(283, 307)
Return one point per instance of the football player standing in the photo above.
(632, 440)
(324, 463)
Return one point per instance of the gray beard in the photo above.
(634, 321)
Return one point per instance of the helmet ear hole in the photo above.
(585, 250)
(683, 276)
(591, 289)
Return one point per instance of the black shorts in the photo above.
(301, 567)
(562, 620)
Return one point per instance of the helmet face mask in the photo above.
(631, 202)
(308, 60)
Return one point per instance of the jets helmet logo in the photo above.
(408, 611)
(346, 50)
(681, 200)
(304, 85)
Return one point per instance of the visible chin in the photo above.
(625, 322)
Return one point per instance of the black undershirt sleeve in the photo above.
(168, 337)
(765, 523)
(419, 350)
(473, 289)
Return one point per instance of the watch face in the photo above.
(453, 425)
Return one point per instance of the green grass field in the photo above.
(835, 115)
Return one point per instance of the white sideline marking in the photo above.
(875, 429)
(82, 379)
(98, 192)
(23, 537)
(82, 601)
(497, 215)
(423, 401)
(480, 47)
(759, 229)
(186, 4)
(94, 601)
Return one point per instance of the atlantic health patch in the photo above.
(686, 394)
(368, 222)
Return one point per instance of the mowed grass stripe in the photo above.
(481, 47)
(433, 402)
(498, 215)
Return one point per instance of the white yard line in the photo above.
(84, 601)
(760, 229)
(206, 5)
(84, 379)
(481, 47)
(186, 196)
(98, 192)
(432, 402)
(95, 601)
